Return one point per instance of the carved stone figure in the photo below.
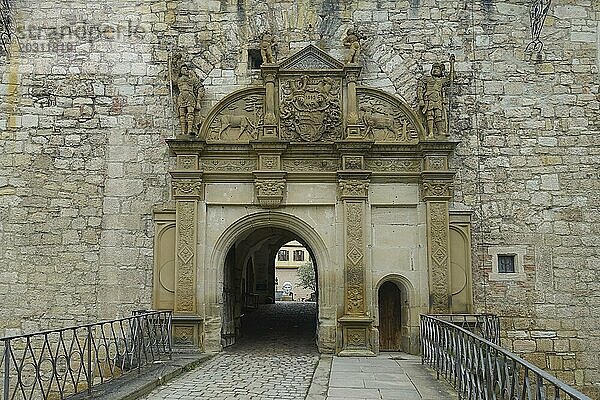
(266, 48)
(352, 42)
(190, 92)
(537, 14)
(430, 93)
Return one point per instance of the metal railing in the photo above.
(55, 364)
(485, 325)
(481, 370)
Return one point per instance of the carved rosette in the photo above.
(186, 243)
(438, 232)
(270, 192)
(187, 162)
(354, 162)
(436, 163)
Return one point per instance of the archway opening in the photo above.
(263, 297)
(393, 317)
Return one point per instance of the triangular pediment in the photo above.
(310, 58)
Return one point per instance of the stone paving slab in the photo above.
(388, 376)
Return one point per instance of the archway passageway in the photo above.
(256, 311)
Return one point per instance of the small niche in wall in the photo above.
(254, 59)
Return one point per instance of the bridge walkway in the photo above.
(276, 359)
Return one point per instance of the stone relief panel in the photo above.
(312, 165)
(393, 165)
(311, 108)
(438, 230)
(385, 119)
(240, 120)
(355, 288)
(185, 291)
(228, 165)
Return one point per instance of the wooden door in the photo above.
(390, 308)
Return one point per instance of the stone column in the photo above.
(437, 191)
(187, 192)
(356, 323)
(352, 124)
(269, 73)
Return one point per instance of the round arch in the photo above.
(269, 219)
(402, 280)
(410, 311)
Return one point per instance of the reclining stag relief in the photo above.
(241, 120)
(383, 122)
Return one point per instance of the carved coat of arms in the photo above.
(311, 109)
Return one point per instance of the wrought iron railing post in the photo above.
(89, 360)
(6, 383)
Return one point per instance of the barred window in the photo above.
(506, 264)
(283, 255)
(298, 255)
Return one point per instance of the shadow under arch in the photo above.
(293, 228)
(409, 314)
(269, 219)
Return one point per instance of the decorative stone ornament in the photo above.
(310, 138)
(270, 188)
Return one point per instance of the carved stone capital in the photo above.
(352, 72)
(186, 187)
(270, 188)
(437, 190)
(353, 188)
(269, 72)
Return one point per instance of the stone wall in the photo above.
(85, 108)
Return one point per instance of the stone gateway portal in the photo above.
(348, 171)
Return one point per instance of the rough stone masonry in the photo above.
(86, 107)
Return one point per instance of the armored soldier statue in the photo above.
(190, 92)
(430, 93)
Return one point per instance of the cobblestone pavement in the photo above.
(275, 359)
